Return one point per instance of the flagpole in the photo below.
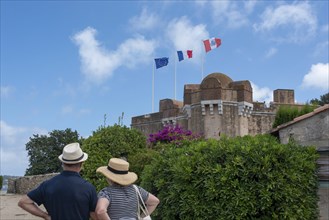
(202, 61)
(175, 78)
(153, 87)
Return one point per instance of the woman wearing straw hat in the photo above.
(120, 200)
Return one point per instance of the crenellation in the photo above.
(245, 108)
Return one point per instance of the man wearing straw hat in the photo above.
(66, 196)
(121, 199)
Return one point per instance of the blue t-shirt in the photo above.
(66, 196)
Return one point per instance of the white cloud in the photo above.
(288, 23)
(13, 163)
(250, 5)
(9, 134)
(261, 94)
(185, 36)
(317, 77)
(135, 51)
(271, 52)
(14, 159)
(232, 13)
(6, 91)
(98, 63)
(145, 21)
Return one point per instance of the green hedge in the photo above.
(288, 113)
(241, 178)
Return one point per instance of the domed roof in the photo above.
(222, 78)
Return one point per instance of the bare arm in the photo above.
(151, 203)
(28, 205)
(93, 216)
(101, 209)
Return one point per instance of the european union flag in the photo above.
(160, 62)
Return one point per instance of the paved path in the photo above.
(10, 211)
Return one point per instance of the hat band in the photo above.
(74, 159)
(117, 171)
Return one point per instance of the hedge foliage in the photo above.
(288, 113)
(241, 178)
(114, 141)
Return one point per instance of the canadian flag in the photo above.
(212, 43)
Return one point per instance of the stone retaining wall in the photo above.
(23, 185)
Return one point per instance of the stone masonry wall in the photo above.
(313, 131)
(23, 185)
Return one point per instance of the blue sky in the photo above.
(67, 64)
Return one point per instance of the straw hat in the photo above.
(118, 172)
(73, 154)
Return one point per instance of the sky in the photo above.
(82, 64)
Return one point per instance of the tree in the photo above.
(43, 150)
(114, 141)
(324, 99)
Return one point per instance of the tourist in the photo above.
(120, 199)
(66, 196)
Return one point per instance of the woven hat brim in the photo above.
(84, 158)
(122, 179)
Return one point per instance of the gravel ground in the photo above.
(10, 211)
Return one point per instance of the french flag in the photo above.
(212, 43)
(183, 55)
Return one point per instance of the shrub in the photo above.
(113, 141)
(288, 113)
(241, 178)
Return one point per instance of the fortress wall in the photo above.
(195, 97)
(196, 121)
(260, 122)
(229, 94)
(230, 119)
(243, 126)
(149, 123)
(149, 128)
(23, 185)
(213, 123)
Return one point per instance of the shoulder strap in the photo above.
(139, 197)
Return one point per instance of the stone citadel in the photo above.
(218, 106)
